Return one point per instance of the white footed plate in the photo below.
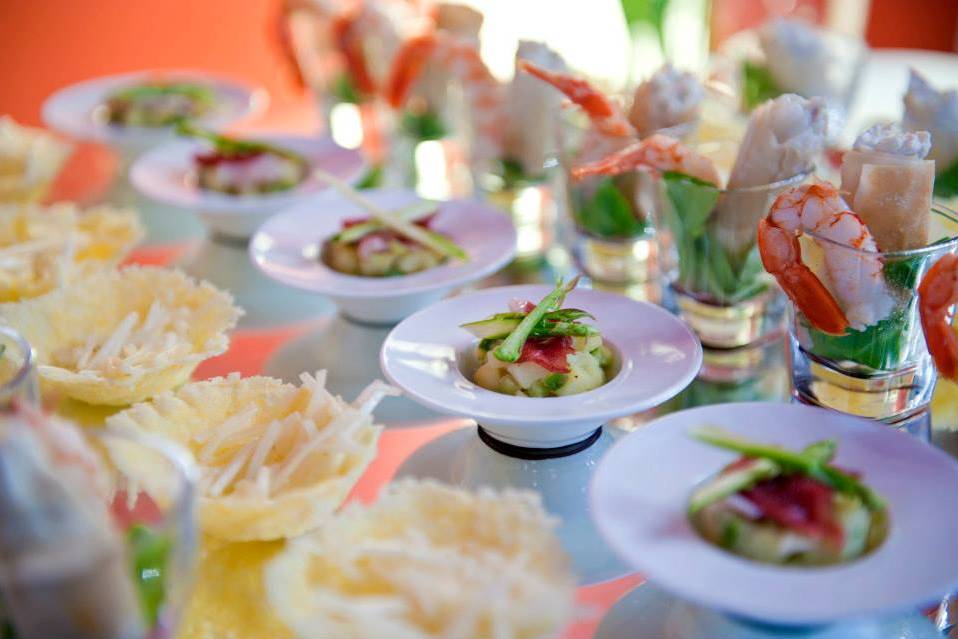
(73, 109)
(167, 174)
(658, 357)
(287, 248)
(640, 495)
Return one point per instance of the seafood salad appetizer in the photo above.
(541, 350)
(73, 568)
(387, 243)
(787, 507)
(804, 59)
(158, 104)
(245, 167)
(927, 109)
(848, 258)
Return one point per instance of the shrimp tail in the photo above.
(603, 113)
(657, 152)
(782, 257)
(937, 292)
(407, 66)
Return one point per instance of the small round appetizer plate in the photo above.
(77, 110)
(167, 174)
(640, 498)
(288, 248)
(430, 357)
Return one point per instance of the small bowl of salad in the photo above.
(135, 111)
(803, 516)
(236, 183)
(539, 366)
(382, 254)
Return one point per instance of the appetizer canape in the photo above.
(484, 561)
(276, 460)
(72, 568)
(540, 350)
(158, 104)
(927, 109)
(244, 167)
(388, 242)
(29, 161)
(43, 248)
(119, 337)
(786, 507)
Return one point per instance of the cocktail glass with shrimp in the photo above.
(870, 270)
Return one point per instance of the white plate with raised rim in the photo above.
(167, 174)
(658, 356)
(73, 110)
(287, 248)
(640, 495)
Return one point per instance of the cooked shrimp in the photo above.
(937, 293)
(460, 58)
(855, 272)
(658, 152)
(604, 114)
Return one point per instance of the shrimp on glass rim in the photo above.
(657, 152)
(855, 272)
(937, 294)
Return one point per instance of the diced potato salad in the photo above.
(541, 350)
(782, 507)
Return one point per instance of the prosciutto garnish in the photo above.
(551, 353)
(799, 503)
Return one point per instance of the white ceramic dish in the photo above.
(658, 356)
(73, 109)
(287, 248)
(167, 174)
(640, 496)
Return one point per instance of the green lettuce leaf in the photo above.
(609, 213)
(946, 182)
(879, 347)
(423, 126)
(149, 552)
(758, 85)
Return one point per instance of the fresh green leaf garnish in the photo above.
(609, 213)
(422, 126)
(808, 462)
(511, 348)
(946, 182)
(149, 553)
(758, 85)
(879, 346)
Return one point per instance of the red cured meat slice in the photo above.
(214, 158)
(799, 503)
(550, 353)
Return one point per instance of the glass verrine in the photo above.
(18, 371)
(881, 370)
(719, 284)
(120, 571)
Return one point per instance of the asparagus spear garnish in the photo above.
(410, 213)
(810, 462)
(511, 348)
(430, 239)
(233, 146)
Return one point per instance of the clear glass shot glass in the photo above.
(718, 282)
(18, 372)
(69, 579)
(882, 371)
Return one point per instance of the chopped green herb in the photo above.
(149, 553)
(555, 381)
(946, 182)
(758, 85)
(730, 534)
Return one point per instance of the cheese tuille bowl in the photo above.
(122, 336)
(276, 460)
(427, 561)
(30, 159)
(44, 247)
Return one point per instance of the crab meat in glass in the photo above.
(540, 350)
(158, 104)
(786, 507)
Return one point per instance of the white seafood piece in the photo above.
(66, 573)
(809, 61)
(460, 20)
(890, 184)
(668, 98)
(927, 109)
(533, 107)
